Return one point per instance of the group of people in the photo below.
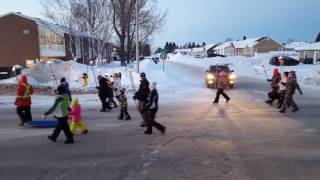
(65, 107)
(283, 89)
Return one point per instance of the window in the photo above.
(25, 32)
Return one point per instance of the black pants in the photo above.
(24, 113)
(142, 105)
(281, 99)
(220, 91)
(124, 112)
(112, 101)
(151, 115)
(105, 104)
(63, 125)
(273, 95)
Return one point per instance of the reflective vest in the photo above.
(26, 94)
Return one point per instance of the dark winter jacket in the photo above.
(103, 88)
(291, 87)
(275, 82)
(152, 100)
(222, 82)
(143, 91)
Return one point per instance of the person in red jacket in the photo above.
(23, 100)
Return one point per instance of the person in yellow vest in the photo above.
(23, 100)
(85, 79)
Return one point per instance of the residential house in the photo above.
(309, 51)
(293, 45)
(25, 40)
(248, 47)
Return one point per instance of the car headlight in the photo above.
(210, 76)
(232, 76)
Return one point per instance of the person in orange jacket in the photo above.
(23, 100)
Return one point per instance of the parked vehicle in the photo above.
(215, 55)
(308, 61)
(283, 61)
(212, 75)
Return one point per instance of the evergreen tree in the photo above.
(189, 45)
(318, 38)
(174, 46)
(193, 45)
(244, 38)
(167, 46)
(198, 46)
(203, 44)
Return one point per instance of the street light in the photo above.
(137, 37)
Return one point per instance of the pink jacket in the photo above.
(76, 113)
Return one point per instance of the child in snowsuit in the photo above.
(76, 118)
(124, 105)
(60, 110)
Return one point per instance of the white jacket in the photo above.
(117, 86)
(283, 81)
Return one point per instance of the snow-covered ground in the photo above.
(308, 75)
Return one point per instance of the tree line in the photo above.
(108, 21)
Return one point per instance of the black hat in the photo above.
(143, 74)
(62, 80)
(61, 89)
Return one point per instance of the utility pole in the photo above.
(137, 37)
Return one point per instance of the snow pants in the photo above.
(78, 125)
(24, 114)
(151, 115)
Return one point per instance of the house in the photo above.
(293, 45)
(25, 40)
(248, 47)
(309, 51)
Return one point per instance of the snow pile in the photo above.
(42, 73)
(313, 77)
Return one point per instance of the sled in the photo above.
(44, 123)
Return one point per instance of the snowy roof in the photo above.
(246, 43)
(224, 45)
(311, 47)
(294, 45)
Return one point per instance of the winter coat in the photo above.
(282, 84)
(291, 87)
(143, 91)
(222, 82)
(123, 101)
(76, 113)
(152, 100)
(68, 91)
(103, 88)
(117, 86)
(60, 107)
(275, 82)
(24, 92)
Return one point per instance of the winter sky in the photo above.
(216, 20)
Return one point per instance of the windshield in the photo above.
(215, 69)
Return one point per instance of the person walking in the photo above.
(64, 82)
(141, 95)
(60, 110)
(152, 109)
(103, 93)
(291, 86)
(110, 94)
(222, 83)
(76, 118)
(23, 101)
(124, 106)
(274, 94)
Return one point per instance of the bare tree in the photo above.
(90, 18)
(149, 21)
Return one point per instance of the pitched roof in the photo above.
(294, 45)
(311, 47)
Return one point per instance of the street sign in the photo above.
(163, 56)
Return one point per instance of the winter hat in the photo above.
(23, 79)
(276, 71)
(62, 80)
(61, 90)
(99, 77)
(75, 102)
(222, 74)
(292, 74)
(143, 74)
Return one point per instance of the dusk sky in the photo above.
(215, 20)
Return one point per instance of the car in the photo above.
(283, 61)
(215, 55)
(308, 61)
(212, 75)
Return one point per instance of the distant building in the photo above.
(293, 46)
(248, 47)
(309, 51)
(24, 40)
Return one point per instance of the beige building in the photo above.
(310, 51)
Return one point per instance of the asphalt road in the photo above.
(245, 139)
